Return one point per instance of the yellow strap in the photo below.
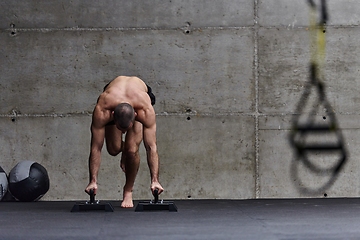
(317, 43)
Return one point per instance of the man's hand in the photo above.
(91, 186)
(156, 185)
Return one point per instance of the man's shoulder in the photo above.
(146, 116)
(101, 116)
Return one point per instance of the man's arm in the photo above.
(97, 141)
(151, 149)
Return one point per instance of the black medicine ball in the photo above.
(3, 183)
(28, 181)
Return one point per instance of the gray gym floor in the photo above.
(195, 219)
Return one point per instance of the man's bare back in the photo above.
(123, 89)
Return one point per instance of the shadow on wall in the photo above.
(317, 141)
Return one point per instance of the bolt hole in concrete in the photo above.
(188, 118)
(13, 33)
(187, 31)
(324, 117)
(13, 119)
(189, 196)
(325, 195)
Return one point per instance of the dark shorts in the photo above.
(151, 95)
(149, 92)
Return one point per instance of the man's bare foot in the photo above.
(127, 200)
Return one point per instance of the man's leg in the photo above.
(113, 138)
(131, 161)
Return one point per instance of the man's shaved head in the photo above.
(124, 115)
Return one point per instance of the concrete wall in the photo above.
(227, 74)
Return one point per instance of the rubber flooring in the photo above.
(196, 219)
